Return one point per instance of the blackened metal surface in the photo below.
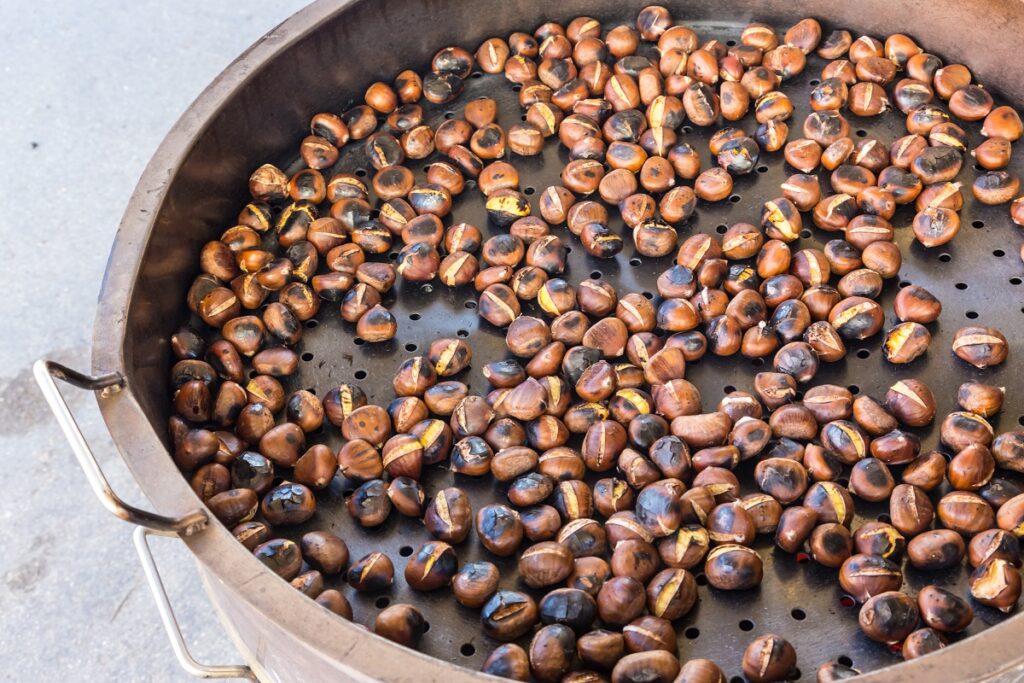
(798, 599)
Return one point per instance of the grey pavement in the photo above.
(87, 91)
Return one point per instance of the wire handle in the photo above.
(163, 606)
(46, 373)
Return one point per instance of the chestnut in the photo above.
(401, 623)
(769, 658)
(889, 617)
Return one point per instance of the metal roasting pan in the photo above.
(320, 60)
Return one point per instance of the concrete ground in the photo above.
(87, 91)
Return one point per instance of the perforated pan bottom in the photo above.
(977, 277)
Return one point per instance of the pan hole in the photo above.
(312, 323)
(945, 258)
(595, 275)
(467, 650)
(1015, 280)
(884, 518)
(648, 295)
(471, 304)
(410, 347)
(806, 234)
(798, 614)
(762, 169)
(687, 129)
(746, 625)
(862, 133)
(999, 253)
(737, 679)
(731, 43)
(757, 362)
(693, 633)
(701, 579)
(449, 115)
(523, 117)
(427, 289)
(426, 626)
(1020, 420)
(463, 333)
(312, 390)
(978, 224)
(863, 353)
(904, 284)
(393, 256)
(797, 675)
(477, 74)
(635, 262)
(405, 550)
(360, 374)
(516, 87)
(307, 356)
(735, 199)
(971, 315)
(728, 388)
(414, 316)
(854, 389)
(843, 481)
(470, 184)
(961, 285)
(382, 602)
(529, 190)
(814, 81)
(845, 661)
(361, 172)
(252, 373)
(847, 602)
(568, 250)
(802, 558)
(721, 229)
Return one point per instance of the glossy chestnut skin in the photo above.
(508, 615)
(996, 583)
(944, 610)
(325, 551)
(508, 661)
(889, 617)
(371, 573)
(769, 658)
(475, 583)
(992, 544)
(571, 607)
(830, 544)
(879, 539)
(401, 623)
(935, 550)
(733, 567)
(921, 642)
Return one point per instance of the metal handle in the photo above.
(46, 372)
(163, 605)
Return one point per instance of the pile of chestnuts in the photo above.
(619, 477)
